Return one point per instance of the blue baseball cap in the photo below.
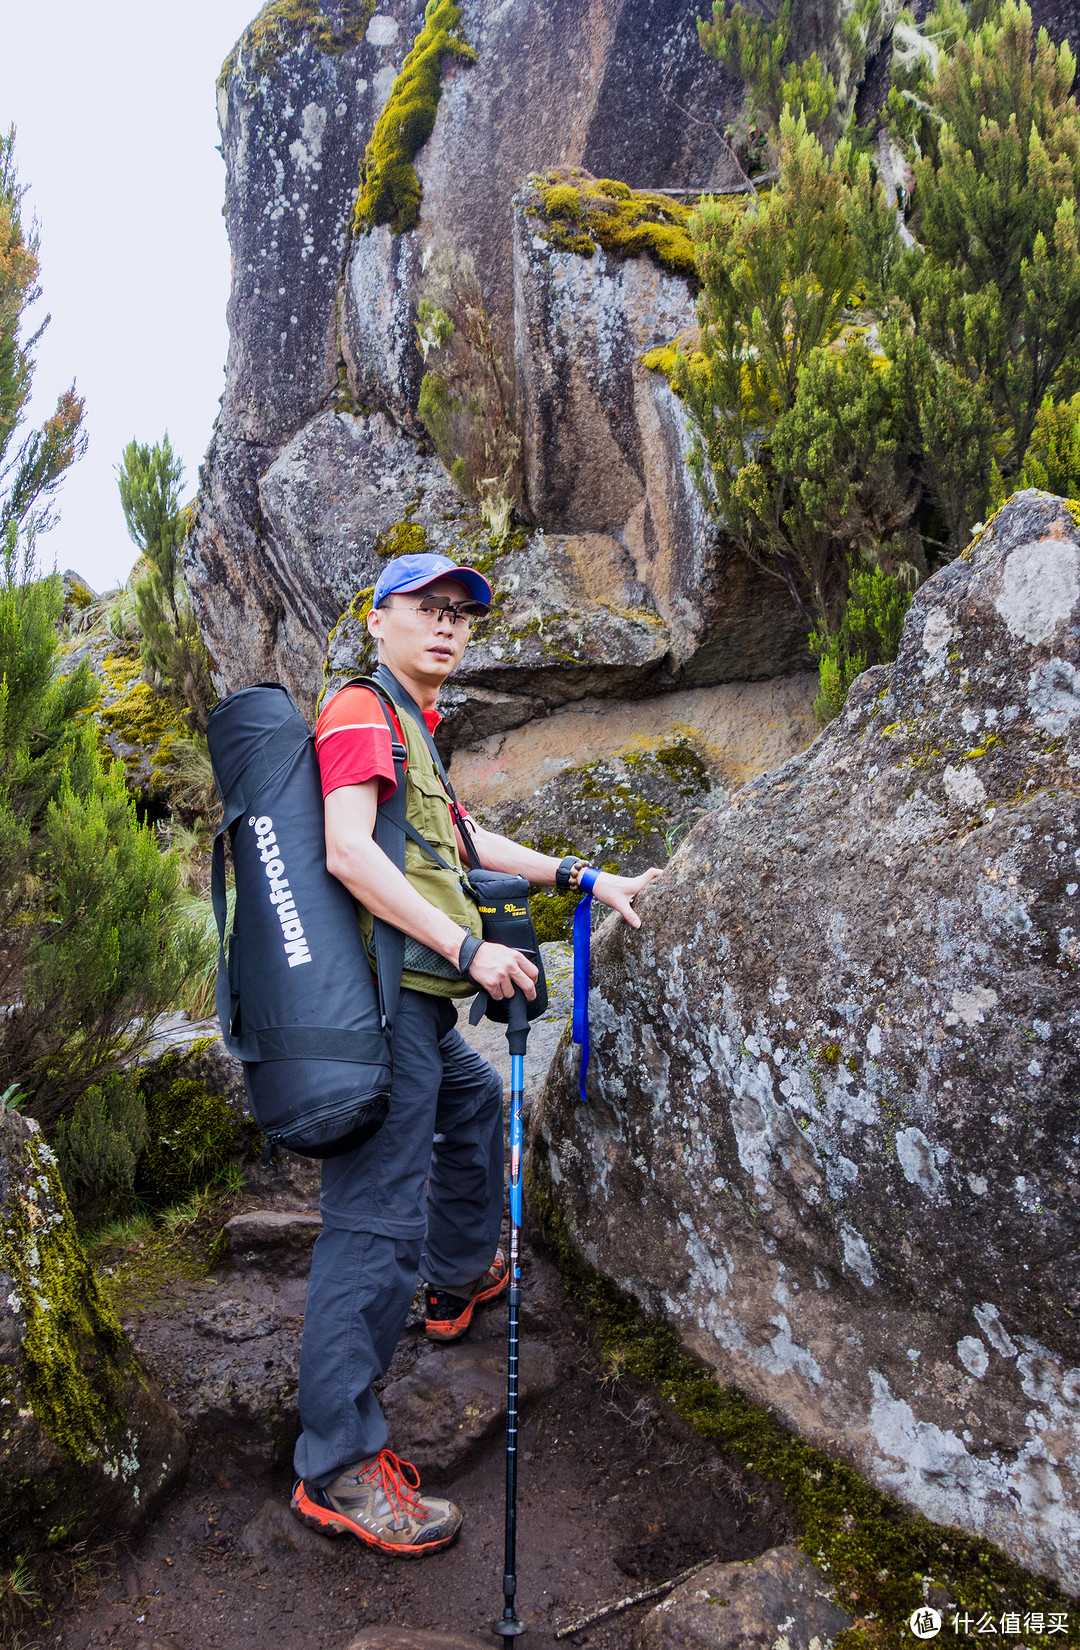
(414, 572)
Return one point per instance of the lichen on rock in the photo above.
(832, 1132)
(282, 25)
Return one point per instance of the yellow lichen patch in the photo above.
(683, 355)
(404, 538)
(389, 187)
(578, 213)
(283, 24)
(133, 716)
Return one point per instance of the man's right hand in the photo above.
(498, 970)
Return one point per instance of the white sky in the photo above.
(115, 107)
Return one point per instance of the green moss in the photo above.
(283, 24)
(553, 914)
(404, 538)
(681, 762)
(65, 1313)
(390, 190)
(135, 714)
(878, 1556)
(191, 1134)
(579, 213)
(358, 609)
(674, 362)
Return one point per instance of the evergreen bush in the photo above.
(868, 634)
(94, 944)
(864, 389)
(98, 1147)
(174, 657)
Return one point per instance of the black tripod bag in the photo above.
(295, 994)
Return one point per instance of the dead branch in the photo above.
(616, 1608)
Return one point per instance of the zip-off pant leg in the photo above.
(376, 1205)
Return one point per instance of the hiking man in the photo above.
(426, 1191)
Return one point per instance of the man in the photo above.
(427, 1190)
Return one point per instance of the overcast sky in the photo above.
(115, 107)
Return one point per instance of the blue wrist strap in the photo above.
(582, 939)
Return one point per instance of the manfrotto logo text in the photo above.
(292, 929)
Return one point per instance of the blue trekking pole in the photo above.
(517, 1036)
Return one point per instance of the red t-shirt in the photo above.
(353, 741)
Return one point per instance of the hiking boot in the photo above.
(449, 1316)
(378, 1501)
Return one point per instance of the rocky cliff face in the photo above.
(319, 451)
(832, 1120)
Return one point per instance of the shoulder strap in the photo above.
(390, 827)
(384, 679)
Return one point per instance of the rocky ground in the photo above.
(616, 1495)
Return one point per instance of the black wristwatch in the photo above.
(565, 871)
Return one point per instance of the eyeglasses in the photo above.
(457, 612)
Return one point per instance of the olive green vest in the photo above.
(427, 809)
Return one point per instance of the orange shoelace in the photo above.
(391, 1473)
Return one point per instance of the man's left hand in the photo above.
(619, 891)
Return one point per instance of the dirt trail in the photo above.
(615, 1495)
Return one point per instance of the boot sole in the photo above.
(329, 1522)
(452, 1329)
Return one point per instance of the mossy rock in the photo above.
(136, 725)
(624, 813)
(881, 1557)
(282, 25)
(191, 1134)
(390, 190)
(575, 212)
(404, 538)
(86, 1442)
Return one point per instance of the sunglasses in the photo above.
(433, 607)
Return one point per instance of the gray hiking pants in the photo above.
(424, 1193)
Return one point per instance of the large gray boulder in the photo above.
(301, 478)
(606, 448)
(87, 1443)
(832, 1131)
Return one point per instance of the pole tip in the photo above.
(509, 1627)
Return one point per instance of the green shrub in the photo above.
(1053, 458)
(758, 50)
(869, 634)
(190, 1136)
(99, 1146)
(390, 190)
(174, 657)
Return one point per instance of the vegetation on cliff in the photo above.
(283, 24)
(578, 213)
(174, 657)
(862, 392)
(390, 190)
(468, 399)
